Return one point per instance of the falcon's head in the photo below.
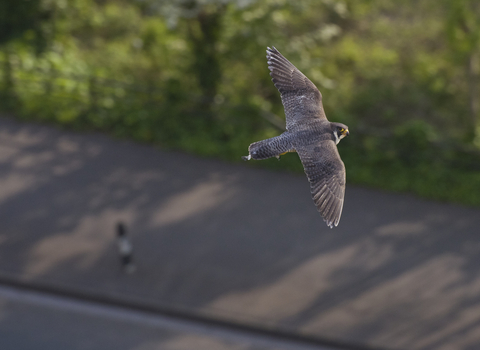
(339, 131)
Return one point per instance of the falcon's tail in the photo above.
(268, 148)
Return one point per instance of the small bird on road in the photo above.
(125, 249)
(310, 134)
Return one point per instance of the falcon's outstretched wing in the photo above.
(326, 173)
(300, 97)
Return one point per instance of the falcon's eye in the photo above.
(341, 129)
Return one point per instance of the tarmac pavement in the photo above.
(36, 320)
(235, 243)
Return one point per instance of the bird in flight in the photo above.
(310, 134)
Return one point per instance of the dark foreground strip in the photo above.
(275, 333)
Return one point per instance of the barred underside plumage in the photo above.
(310, 134)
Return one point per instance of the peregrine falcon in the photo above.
(308, 133)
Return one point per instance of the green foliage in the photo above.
(27, 19)
(191, 75)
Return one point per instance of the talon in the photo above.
(245, 158)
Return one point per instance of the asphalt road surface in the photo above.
(232, 242)
(35, 320)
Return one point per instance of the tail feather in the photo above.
(268, 148)
(262, 150)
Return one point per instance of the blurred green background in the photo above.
(192, 75)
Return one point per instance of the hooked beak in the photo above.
(346, 133)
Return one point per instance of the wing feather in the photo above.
(326, 173)
(300, 97)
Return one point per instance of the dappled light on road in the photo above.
(85, 244)
(301, 286)
(205, 196)
(402, 229)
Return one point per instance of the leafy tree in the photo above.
(463, 30)
(18, 18)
